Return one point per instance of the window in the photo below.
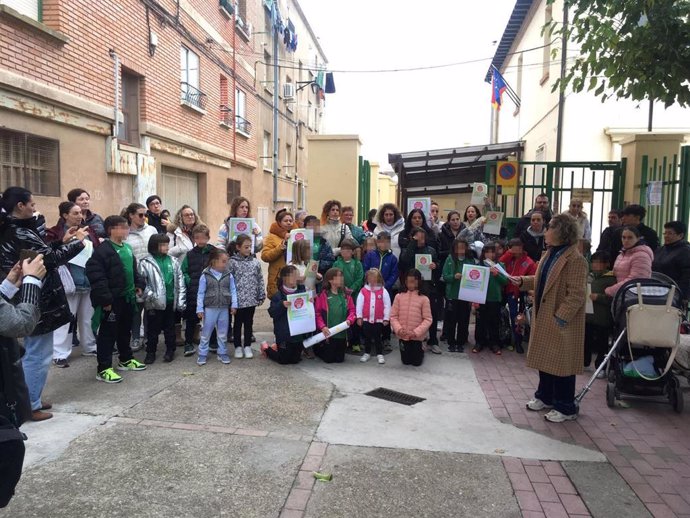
(519, 84)
(289, 166)
(546, 58)
(234, 190)
(225, 109)
(242, 124)
(267, 153)
(310, 115)
(242, 10)
(30, 8)
(189, 79)
(30, 161)
(128, 127)
(268, 71)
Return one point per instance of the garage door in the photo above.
(180, 187)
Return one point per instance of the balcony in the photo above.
(242, 125)
(225, 115)
(193, 97)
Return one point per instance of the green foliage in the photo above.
(635, 49)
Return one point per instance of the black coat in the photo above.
(445, 242)
(611, 241)
(278, 312)
(407, 262)
(534, 246)
(526, 220)
(107, 275)
(155, 221)
(197, 261)
(22, 234)
(674, 261)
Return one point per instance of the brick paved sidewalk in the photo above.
(648, 444)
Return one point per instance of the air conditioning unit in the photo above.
(289, 91)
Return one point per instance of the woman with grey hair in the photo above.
(557, 338)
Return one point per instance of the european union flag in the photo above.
(498, 86)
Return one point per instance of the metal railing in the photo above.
(193, 96)
(243, 125)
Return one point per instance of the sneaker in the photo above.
(387, 347)
(452, 348)
(238, 352)
(137, 344)
(381, 359)
(356, 348)
(602, 374)
(510, 348)
(537, 404)
(168, 357)
(201, 360)
(496, 350)
(248, 353)
(61, 363)
(109, 376)
(89, 353)
(477, 349)
(150, 358)
(460, 349)
(308, 353)
(131, 365)
(253, 338)
(436, 349)
(189, 349)
(365, 357)
(556, 417)
(224, 358)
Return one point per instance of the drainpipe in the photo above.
(116, 82)
(234, 87)
(276, 84)
(561, 100)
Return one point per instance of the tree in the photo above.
(630, 49)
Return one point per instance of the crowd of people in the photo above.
(115, 284)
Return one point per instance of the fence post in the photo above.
(643, 179)
(684, 185)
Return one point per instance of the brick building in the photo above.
(136, 97)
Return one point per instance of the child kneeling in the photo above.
(287, 349)
(333, 306)
(411, 319)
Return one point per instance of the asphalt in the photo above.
(182, 440)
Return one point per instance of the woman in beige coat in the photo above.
(556, 346)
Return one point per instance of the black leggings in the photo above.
(373, 336)
(488, 324)
(332, 350)
(243, 317)
(287, 354)
(411, 352)
(157, 321)
(458, 322)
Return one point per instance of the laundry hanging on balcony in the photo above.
(290, 37)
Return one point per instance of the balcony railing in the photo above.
(243, 125)
(193, 96)
(225, 115)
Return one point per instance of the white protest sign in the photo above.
(474, 283)
(301, 317)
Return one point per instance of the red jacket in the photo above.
(57, 233)
(321, 308)
(412, 311)
(517, 267)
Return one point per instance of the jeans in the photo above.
(219, 319)
(36, 362)
(243, 317)
(372, 336)
(81, 308)
(157, 321)
(115, 328)
(558, 391)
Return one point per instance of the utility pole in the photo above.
(561, 97)
(276, 85)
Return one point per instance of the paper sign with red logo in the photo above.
(492, 225)
(239, 226)
(301, 317)
(474, 283)
(422, 262)
(299, 234)
(423, 204)
(479, 192)
(507, 177)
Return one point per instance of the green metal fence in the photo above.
(670, 178)
(364, 189)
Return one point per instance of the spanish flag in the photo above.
(498, 86)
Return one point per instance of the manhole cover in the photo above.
(395, 396)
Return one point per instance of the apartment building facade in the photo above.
(133, 97)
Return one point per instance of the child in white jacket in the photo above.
(373, 314)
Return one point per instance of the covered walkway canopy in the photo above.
(446, 171)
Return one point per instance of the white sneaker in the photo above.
(602, 374)
(537, 404)
(381, 359)
(248, 352)
(365, 357)
(556, 417)
(238, 352)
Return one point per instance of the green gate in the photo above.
(363, 189)
(602, 182)
(665, 189)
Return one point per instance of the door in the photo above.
(180, 187)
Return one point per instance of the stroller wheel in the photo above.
(675, 396)
(611, 395)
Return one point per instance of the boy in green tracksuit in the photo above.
(354, 280)
(489, 314)
(459, 314)
(598, 325)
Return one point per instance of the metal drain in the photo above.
(395, 396)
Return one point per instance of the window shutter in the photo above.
(26, 7)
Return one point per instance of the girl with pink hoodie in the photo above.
(634, 261)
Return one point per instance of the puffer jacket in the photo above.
(106, 275)
(278, 312)
(274, 254)
(223, 239)
(633, 263)
(394, 230)
(95, 223)
(249, 281)
(412, 311)
(18, 234)
(154, 294)
(180, 242)
(138, 239)
(445, 242)
(335, 232)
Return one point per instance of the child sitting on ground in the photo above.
(193, 264)
(411, 319)
(333, 306)
(598, 324)
(287, 349)
(216, 293)
(373, 314)
(164, 295)
(354, 278)
(489, 313)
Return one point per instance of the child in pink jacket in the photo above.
(333, 306)
(411, 319)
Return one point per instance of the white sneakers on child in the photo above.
(365, 357)
(245, 352)
(238, 352)
(381, 359)
(248, 352)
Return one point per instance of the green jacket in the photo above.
(353, 273)
(602, 305)
(496, 284)
(450, 268)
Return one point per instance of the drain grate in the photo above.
(395, 396)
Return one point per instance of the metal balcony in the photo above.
(243, 125)
(192, 96)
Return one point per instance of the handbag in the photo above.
(66, 279)
(14, 394)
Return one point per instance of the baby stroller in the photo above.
(647, 317)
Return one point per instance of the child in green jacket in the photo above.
(489, 313)
(459, 315)
(598, 324)
(354, 280)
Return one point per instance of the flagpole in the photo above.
(491, 130)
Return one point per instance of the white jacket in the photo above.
(180, 244)
(138, 239)
(335, 232)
